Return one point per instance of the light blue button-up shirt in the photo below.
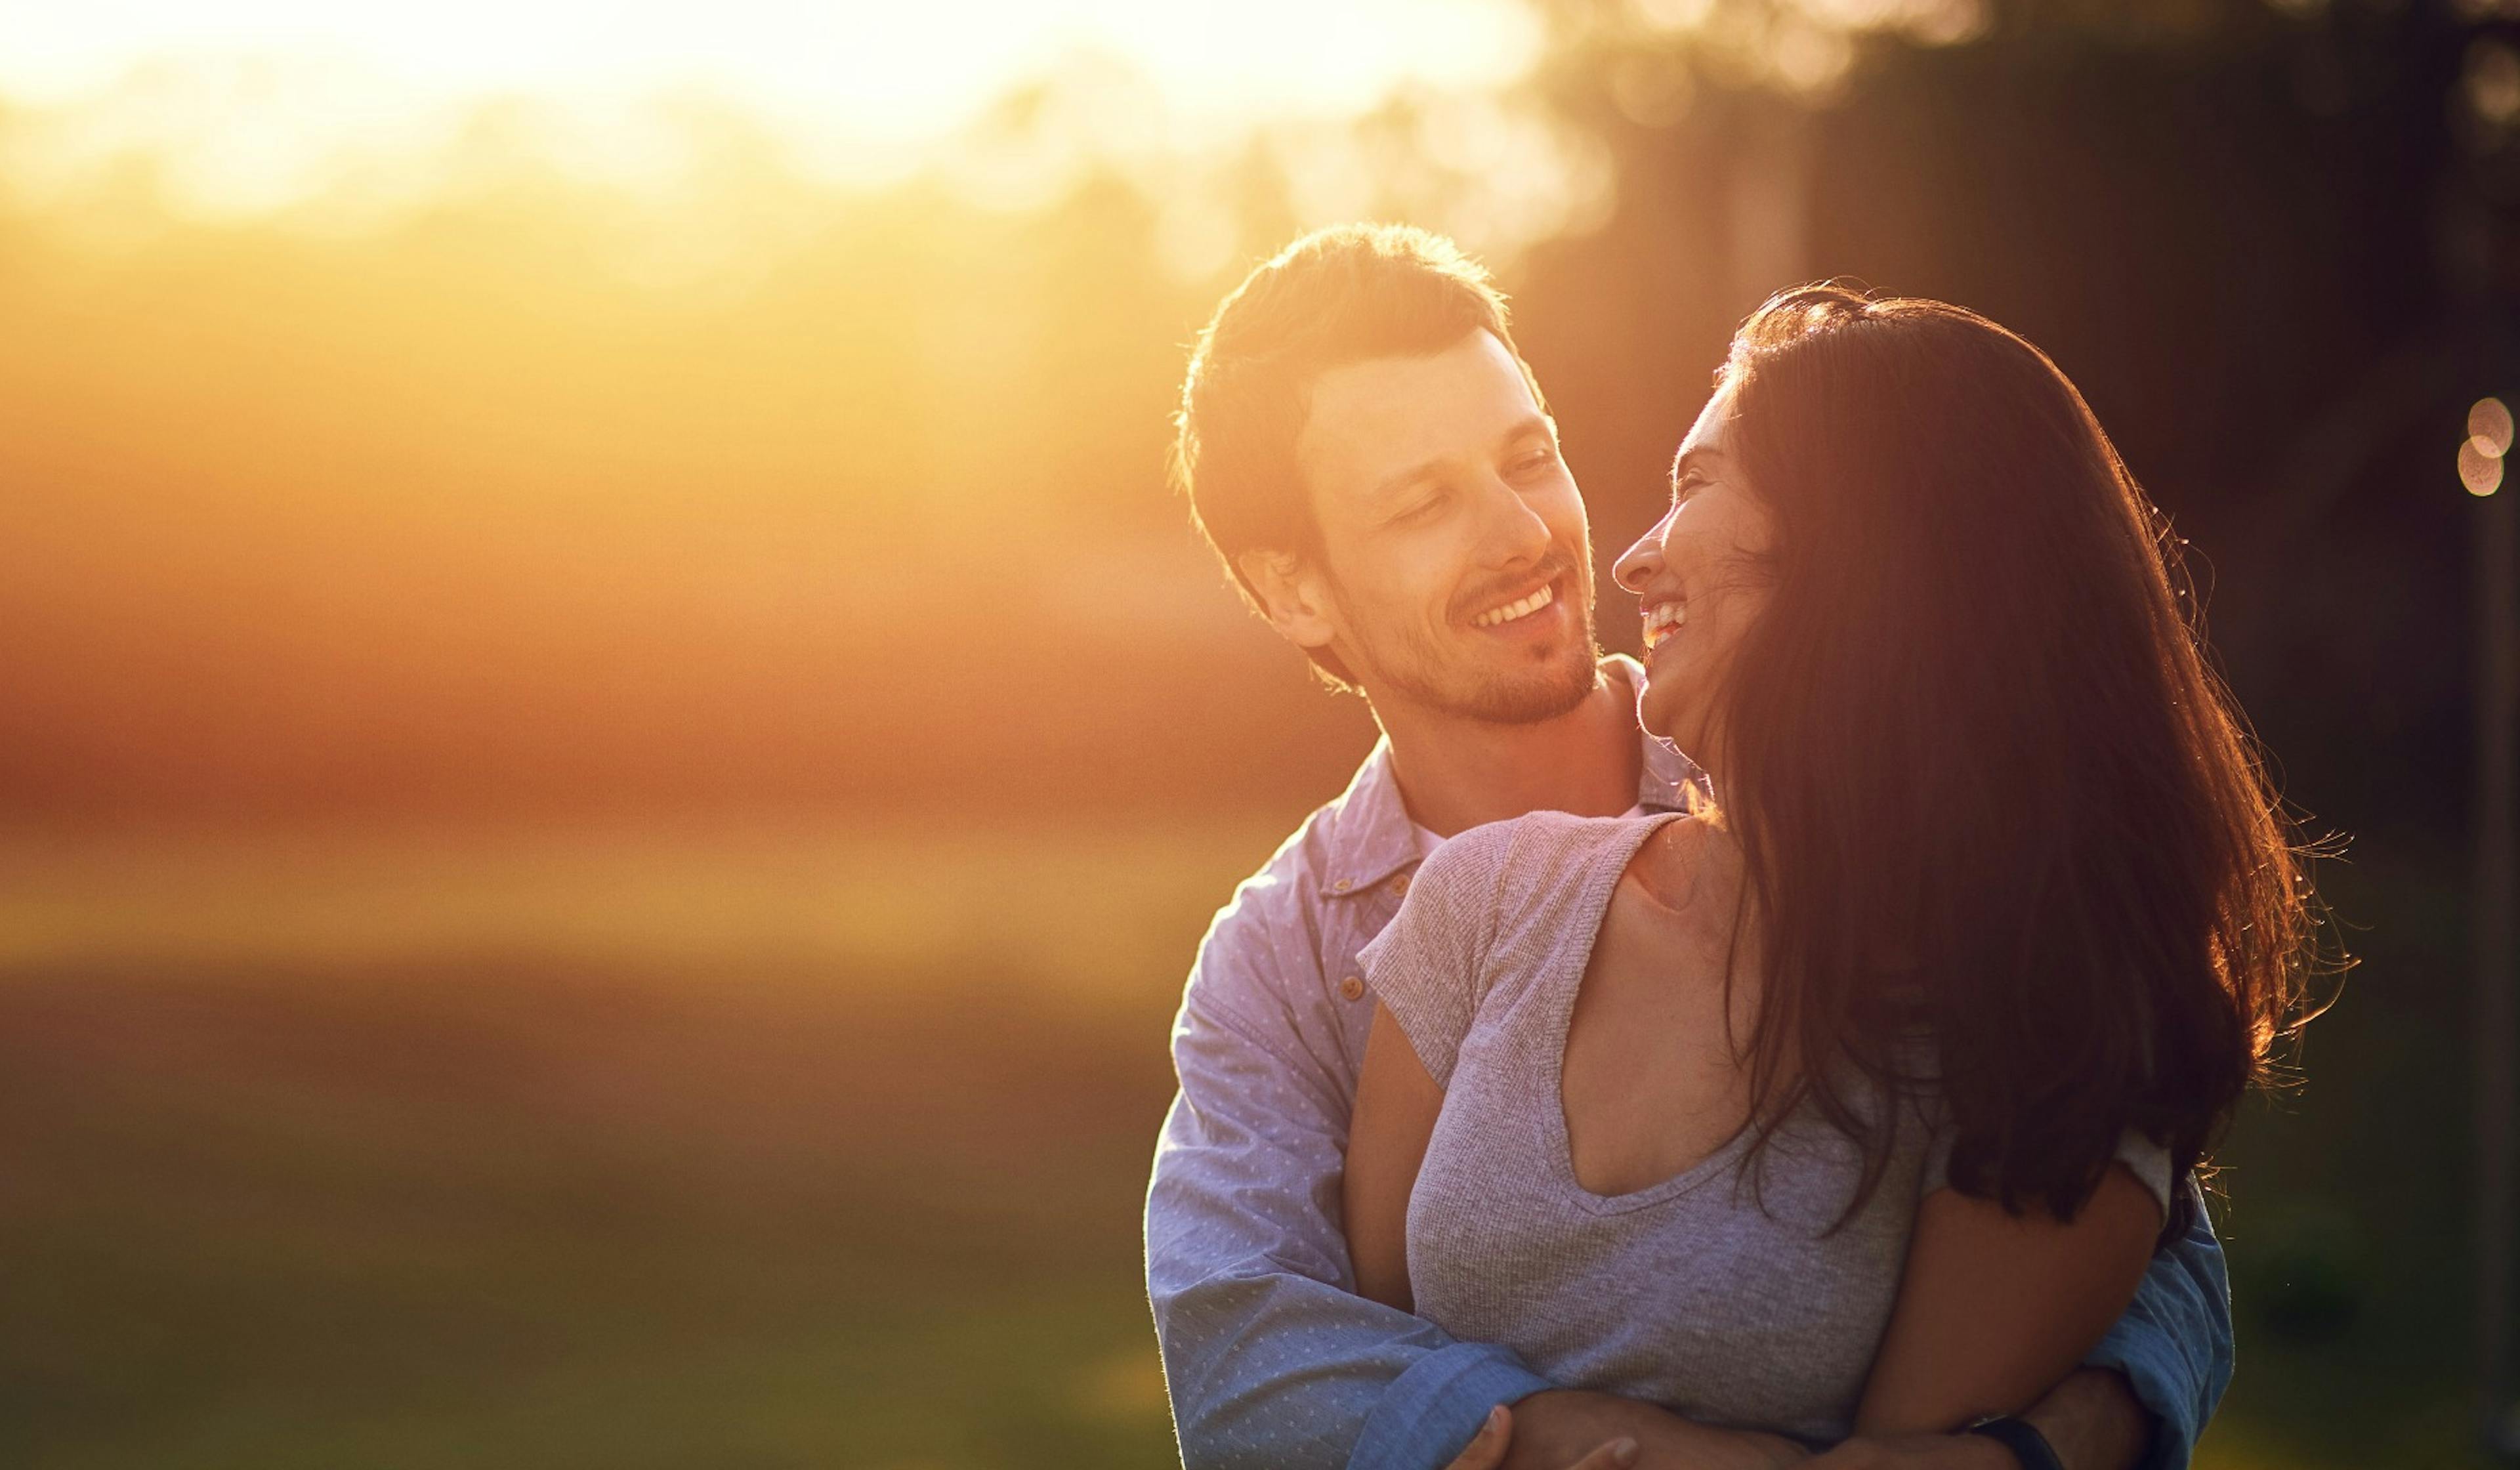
(1272, 1361)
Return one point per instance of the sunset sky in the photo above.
(257, 103)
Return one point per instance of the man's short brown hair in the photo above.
(1339, 296)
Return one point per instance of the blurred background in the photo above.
(613, 750)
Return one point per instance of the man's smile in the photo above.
(1520, 607)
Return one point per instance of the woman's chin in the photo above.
(1675, 725)
(1655, 716)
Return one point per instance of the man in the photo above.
(1372, 458)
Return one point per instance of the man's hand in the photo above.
(1568, 1429)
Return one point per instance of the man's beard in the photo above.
(1411, 667)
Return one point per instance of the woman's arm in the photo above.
(1993, 1307)
(1396, 1103)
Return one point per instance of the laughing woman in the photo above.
(1855, 1103)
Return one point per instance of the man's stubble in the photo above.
(1417, 671)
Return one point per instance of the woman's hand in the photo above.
(1488, 1448)
(1570, 1429)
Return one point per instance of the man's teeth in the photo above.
(1512, 610)
(1663, 621)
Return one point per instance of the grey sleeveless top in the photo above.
(1736, 1310)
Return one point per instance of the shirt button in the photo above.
(1341, 886)
(1352, 988)
(1400, 884)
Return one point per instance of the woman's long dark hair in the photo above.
(1984, 779)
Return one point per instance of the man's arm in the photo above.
(1272, 1361)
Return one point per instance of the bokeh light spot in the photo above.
(2478, 471)
(2489, 424)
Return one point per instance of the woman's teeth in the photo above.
(1662, 620)
(1496, 616)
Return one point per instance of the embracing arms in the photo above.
(1993, 1307)
(1271, 1359)
(1993, 1311)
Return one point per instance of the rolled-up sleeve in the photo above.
(1272, 1360)
(2174, 1344)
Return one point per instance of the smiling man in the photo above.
(1384, 586)
(1374, 462)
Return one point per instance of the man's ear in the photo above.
(1295, 597)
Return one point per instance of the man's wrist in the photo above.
(2021, 1439)
(2092, 1421)
(1427, 1413)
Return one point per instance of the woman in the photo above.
(1853, 1102)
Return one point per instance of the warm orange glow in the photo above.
(615, 748)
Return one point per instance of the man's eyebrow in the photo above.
(1390, 486)
(1525, 427)
(1528, 426)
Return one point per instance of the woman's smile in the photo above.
(1663, 617)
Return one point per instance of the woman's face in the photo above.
(1697, 576)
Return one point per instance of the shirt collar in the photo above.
(1372, 838)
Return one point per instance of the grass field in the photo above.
(760, 1149)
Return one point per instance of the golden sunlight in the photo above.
(257, 105)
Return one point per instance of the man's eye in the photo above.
(1538, 459)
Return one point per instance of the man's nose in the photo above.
(1515, 532)
(1638, 564)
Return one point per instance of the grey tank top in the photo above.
(1734, 1309)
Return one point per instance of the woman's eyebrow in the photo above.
(1698, 458)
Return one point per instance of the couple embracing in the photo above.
(1799, 1046)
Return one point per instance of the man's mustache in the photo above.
(1556, 566)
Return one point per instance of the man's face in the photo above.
(1455, 566)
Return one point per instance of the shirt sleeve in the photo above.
(2174, 1344)
(1273, 1362)
(1426, 965)
(2149, 1162)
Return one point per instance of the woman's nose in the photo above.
(1638, 564)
